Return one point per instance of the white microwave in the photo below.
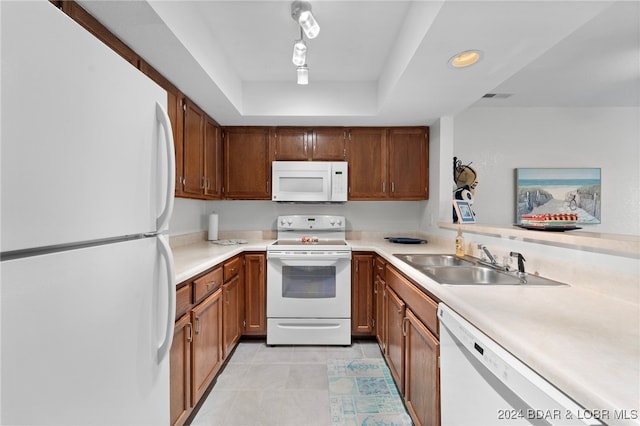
(309, 181)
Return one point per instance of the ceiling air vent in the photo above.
(498, 95)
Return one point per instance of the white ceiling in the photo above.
(385, 62)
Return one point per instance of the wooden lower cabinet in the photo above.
(422, 349)
(211, 310)
(231, 293)
(180, 371)
(394, 354)
(206, 352)
(362, 295)
(255, 270)
(410, 342)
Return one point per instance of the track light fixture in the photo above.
(301, 13)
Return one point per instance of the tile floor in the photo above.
(278, 386)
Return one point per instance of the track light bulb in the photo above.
(299, 53)
(303, 74)
(309, 24)
(301, 12)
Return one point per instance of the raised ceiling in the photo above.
(385, 62)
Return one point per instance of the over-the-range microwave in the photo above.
(309, 181)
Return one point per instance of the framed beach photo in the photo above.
(559, 191)
(464, 212)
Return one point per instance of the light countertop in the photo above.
(586, 344)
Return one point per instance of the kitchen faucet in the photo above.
(521, 260)
(484, 248)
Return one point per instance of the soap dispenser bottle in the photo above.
(460, 244)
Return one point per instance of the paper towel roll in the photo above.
(213, 227)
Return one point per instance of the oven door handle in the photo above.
(309, 262)
(315, 258)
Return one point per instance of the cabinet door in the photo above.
(180, 366)
(328, 144)
(421, 373)
(193, 183)
(255, 295)
(395, 312)
(362, 294)
(379, 292)
(366, 154)
(379, 296)
(206, 356)
(408, 162)
(231, 308)
(247, 166)
(291, 143)
(212, 159)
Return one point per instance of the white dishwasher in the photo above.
(483, 384)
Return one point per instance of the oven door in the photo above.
(309, 284)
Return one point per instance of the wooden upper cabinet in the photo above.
(290, 143)
(328, 144)
(366, 154)
(212, 159)
(193, 179)
(408, 163)
(317, 144)
(202, 155)
(388, 163)
(247, 165)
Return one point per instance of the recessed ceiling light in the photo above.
(465, 59)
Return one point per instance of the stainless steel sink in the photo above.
(452, 270)
(421, 260)
(464, 275)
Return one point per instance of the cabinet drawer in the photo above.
(231, 268)
(207, 284)
(183, 300)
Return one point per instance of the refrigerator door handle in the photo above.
(165, 252)
(162, 221)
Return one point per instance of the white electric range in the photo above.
(309, 282)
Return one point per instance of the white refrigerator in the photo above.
(87, 179)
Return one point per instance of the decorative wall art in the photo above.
(466, 180)
(463, 212)
(574, 191)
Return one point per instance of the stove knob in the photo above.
(339, 222)
(289, 221)
(332, 221)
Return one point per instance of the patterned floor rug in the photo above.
(362, 393)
